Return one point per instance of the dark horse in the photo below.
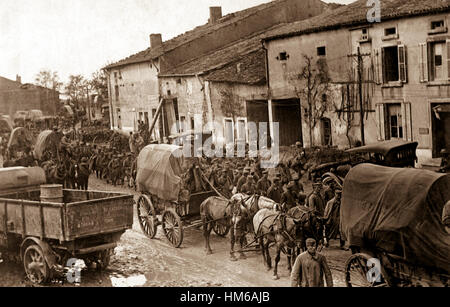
(228, 213)
(279, 228)
(312, 226)
(55, 172)
(81, 175)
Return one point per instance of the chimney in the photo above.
(215, 13)
(155, 40)
(18, 79)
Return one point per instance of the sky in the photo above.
(81, 36)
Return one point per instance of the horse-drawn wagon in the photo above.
(392, 221)
(45, 226)
(163, 201)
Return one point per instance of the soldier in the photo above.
(328, 192)
(310, 268)
(263, 184)
(249, 187)
(274, 192)
(288, 198)
(298, 187)
(315, 200)
(331, 216)
(242, 180)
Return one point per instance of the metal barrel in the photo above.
(52, 193)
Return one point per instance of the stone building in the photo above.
(405, 65)
(138, 83)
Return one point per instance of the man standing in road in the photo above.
(310, 268)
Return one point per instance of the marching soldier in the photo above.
(242, 180)
(315, 200)
(263, 184)
(274, 192)
(288, 197)
(249, 187)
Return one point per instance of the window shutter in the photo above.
(379, 114)
(383, 70)
(402, 67)
(407, 122)
(377, 67)
(423, 61)
(448, 59)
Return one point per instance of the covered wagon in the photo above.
(392, 220)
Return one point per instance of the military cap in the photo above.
(310, 242)
(250, 177)
(298, 144)
(291, 185)
(444, 151)
(265, 171)
(338, 192)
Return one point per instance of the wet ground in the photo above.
(139, 261)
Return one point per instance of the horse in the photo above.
(279, 228)
(82, 175)
(253, 204)
(229, 213)
(310, 226)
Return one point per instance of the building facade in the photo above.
(15, 96)
(404, 63)
(136, 88)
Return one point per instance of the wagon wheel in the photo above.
(35, 265)
(103, 259)
(361, 271)
(221, 229)
(172, 226)
(147, 216)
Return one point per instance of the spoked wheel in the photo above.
(35, 265)
(173, 228)
(103, 259)
(147, 216)
(221, 229)
(362, 271)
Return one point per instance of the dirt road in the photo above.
(139, 261)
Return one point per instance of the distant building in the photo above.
(15, 96)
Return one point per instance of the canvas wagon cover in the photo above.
(159, 171)
(383, 207)
(46, 139)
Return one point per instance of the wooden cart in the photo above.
(162, 200)
(45, 234)
(391, 218)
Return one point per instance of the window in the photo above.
(241, 130)
(169, 93)
(437, 24)
(394, 121)
(228, 132)
(116, 90)
(394, 64)
(182, 124)
(283, 56)
(390, 64)
(321, 51)
(177, 116)
(192, 124)
(436, 58)
(141, 115)
(390, 31)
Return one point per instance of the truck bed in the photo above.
(81, 214)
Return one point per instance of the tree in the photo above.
(99, 83)
(76, 89)
(48, 79)
(312, 85)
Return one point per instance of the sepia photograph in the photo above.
(224, 148)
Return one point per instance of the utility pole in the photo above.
(360, 63)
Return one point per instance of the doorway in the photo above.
(287, 113)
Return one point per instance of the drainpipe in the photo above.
(111, 110)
